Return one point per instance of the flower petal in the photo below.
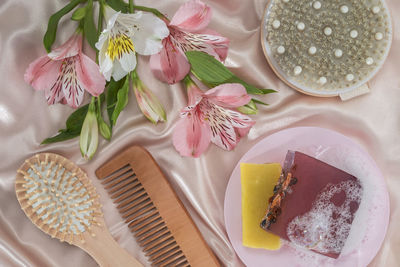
(221, 47)
(170, 65)
(192, 16)
(241, 132)
(214, 45)
(191, 136)
(71, 86)
(105, 62)
(230, 95)
(224, 124)
(88, 73)
(128, 61)
(238, 120)
(195, 95)
(69, 49)
(118, 72)
(111, 16)
(148, 32)
(55, 94)
(42, 73)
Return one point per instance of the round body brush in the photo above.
(59, 198)
(326, 47)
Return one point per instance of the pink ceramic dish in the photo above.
(370, 223)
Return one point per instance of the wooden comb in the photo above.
(154, 214)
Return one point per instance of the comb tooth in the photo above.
(115, 174)
(142, 219)
(138, 206)
(152, 227)
(127, 176)
(168, 257)
(152, 239)
(129, 203)
(117, 191)
(161, 245)
(144, 211)
(164, 254)
(164, 240)
(138, 192)
(151, 233)
(146, 223)
(162, 250)
(176, 260)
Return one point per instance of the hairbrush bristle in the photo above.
(327, 45)
(58, 197)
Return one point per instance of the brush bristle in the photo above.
(327, 45)
(58, 197)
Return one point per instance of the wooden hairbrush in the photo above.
(154, 214)
(58, 197)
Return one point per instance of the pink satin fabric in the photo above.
(371, 120)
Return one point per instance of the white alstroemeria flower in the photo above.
(125, 35)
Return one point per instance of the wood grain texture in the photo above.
(96, 240)
(156, 216)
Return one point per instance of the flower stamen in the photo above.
(119, 45)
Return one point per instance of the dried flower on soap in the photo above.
(65, 73)
(187, 33)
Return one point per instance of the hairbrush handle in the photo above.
(106, 251)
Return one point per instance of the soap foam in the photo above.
(327, 225)
(351, 161)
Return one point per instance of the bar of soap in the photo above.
(258, 181)
(314, 205)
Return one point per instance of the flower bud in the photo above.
(89, 137)
(148, 102)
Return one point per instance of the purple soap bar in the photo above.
(313, 205)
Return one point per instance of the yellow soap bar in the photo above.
(258, 181)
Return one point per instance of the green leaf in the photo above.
(73, 125)
(88, 26)
(268, 91)
(51, 32)
(79, 14)
(213, 73)
(111, 96)
(122, 101)
(249, 109)
(75, 120)
(62, 136)
(259, 102)
(118, 5)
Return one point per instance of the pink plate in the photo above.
(371, 220)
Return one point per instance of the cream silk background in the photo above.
(371, 120)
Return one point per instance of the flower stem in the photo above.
(149, 9)
(131, 9)
(188, 81)
(100, 24)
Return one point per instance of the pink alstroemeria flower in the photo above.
(187, 33)
(209, 117)
(65, 73)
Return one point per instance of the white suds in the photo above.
(327, 225)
